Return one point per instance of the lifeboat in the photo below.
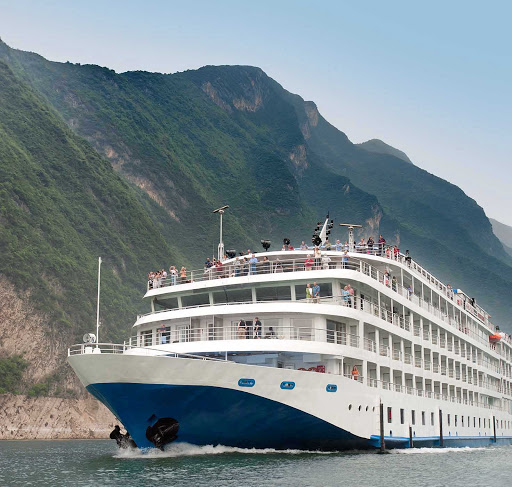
(495, 338)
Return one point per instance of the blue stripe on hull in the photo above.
(449, 441)
(213, 415)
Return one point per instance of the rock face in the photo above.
(24, 331)
(23, 418)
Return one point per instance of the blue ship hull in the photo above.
(218, 416)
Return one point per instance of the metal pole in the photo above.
(382, 443)
(441, 442)
(220, 250)
(98, 305)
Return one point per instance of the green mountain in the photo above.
(129, 166)
(377, 145)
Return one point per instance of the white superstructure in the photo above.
(316, 372)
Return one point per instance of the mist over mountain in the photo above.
(129, 166)
(377, 145)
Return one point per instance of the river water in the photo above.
(100, 463)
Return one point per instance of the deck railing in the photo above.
(292, 264)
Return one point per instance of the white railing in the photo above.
(114, 348)
(290, 263)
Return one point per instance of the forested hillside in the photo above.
(129, 166)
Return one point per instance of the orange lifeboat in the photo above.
(495, 338)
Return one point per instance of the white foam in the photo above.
(412, 451)
(187, 449)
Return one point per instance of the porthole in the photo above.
(366, 408)
(359, 408)
(331, 388)
(287, 385)
(349, 407)
(246, 382)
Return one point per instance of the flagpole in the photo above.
(98, 304)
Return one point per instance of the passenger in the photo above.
(183, 275)
(303, 246)
(163, 337)
(344, 260)
(237, 267)
(241, 329)
(382, 243)
(339, 246)
(309, 293)
(257, 328)
(278, 266)
(346, 246)
(410, 291)
(407, 258)
(150, 280)
(318, 256)
(174, 275)
(345, 295)
(327, 244)
(219, 268)
(253, 261)
(351, 299)
(385, 278)
(207, 263)
(270, 333)
(326, 261)
(388, 252)
(396, 252)
(308, 264)
(370, 245)
(265, 266)
(355, 373)
(361, 246)
(394, 283)
(245, 266)
(316, 292)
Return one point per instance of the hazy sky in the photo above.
(433, 79)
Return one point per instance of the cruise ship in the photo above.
(380, 353)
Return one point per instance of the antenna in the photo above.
(220, 250)
(351, 227)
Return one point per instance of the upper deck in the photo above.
(399, 273)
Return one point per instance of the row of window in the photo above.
(486, 422)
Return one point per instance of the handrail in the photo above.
(115, 348)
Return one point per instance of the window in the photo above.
(474, 422)
(455, 420)
(232, 296)
(462, 419)
(413, 417)
(448, 420)
(275, 293)
(432, 419)
(195, 299)
(146, 338)
(485, 422)
(423, 418)
(479, 422)
(402, 416)
(389, 415)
